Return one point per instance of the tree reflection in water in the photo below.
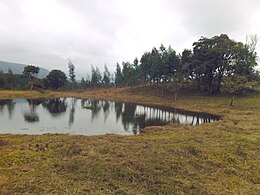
(10, 104)
(96, 108)
(128, 115)
(56, 106)
(106, 109)
(72, 111)
(131, 118)
(31, 116)
(123, 116)
(118, 109)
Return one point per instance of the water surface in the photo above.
(68, 115)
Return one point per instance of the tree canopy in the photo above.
(95, 77)
(72, 75)
(55, 79)
(217, 56)
(31, 71)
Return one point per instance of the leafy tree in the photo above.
(187, 64)
(212, 58)
(251, 43)
(118, 76)
(106, 77)
(165, 65)
(88, 81)
(56, 79)
(156, 70)
(244, 60)
(145, 67)
(178, 75)
(10, 80)
(159, 65)
(217, 56)
(136, 67)
(136, 64)
(112, 79)
(95, 77)
(256, 76)
(236, 85)
(128, 72)
(31, 71)
(176, 83)
(83, 83)
(172, 64)
(2, 79)
(72, 75)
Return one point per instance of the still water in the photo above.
(68, 115)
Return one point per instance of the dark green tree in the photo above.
(10, 80)
(165, 65)
(95, 77)
(136, 64)
(2, 79)
(128, 72)
(83, 83)
(118, 76)
(31, 71)
(72, 75)
(236, 85)
(106, 81)
(172, 64)
(88, 81)
(145, 67)
(187, 64)
(244, 60)
(56, 79)
(212, 57)
(156, 71)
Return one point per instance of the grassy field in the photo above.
(222, 157)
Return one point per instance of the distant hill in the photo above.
(18, 68)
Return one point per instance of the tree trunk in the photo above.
(162, 90)
(231, 103)
(32, 86)
(176, 93)
(210, 88)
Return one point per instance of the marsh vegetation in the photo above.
(218, 157)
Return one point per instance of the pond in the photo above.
(70, 115)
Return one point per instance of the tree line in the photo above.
(211, 63)
(206, 67)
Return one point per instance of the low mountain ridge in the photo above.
(18, 68)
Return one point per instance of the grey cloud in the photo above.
(92, 43)
(206, 17)
(47, 33)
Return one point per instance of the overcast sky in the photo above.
(49, 32)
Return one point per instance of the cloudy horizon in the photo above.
(47, 33)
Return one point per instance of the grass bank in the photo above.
(215, 158)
